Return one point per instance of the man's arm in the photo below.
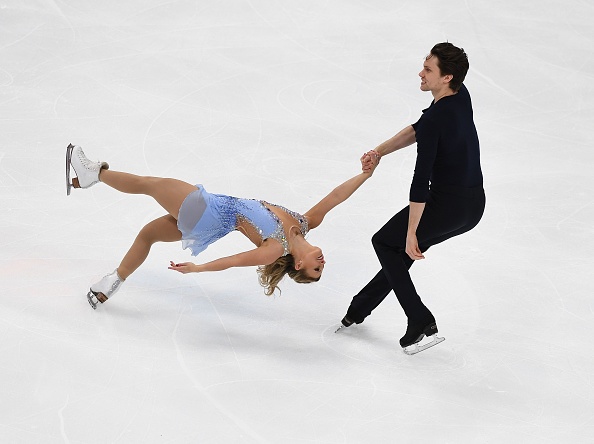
(401, 140)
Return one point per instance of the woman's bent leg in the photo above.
(163, 229)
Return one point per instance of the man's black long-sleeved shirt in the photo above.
(447, 146)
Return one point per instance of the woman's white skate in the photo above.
(87, 171)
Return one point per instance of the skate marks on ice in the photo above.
(379, 346)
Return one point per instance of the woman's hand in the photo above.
(369, 161)
(184, 267)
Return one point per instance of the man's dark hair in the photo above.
(451, 60)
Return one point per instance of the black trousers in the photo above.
(449, 211)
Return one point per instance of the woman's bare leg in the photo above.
(163, 229)
(169, 193)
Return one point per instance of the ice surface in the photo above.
(277, 100)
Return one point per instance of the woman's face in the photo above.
(313, 263)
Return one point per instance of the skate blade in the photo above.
(339, 328)
(416, 348)
(90, 296)
(69, 149)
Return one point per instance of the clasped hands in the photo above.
(369, 161)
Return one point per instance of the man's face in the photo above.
(431, 78)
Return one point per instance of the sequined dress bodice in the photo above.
(266, 223)
(206, 217)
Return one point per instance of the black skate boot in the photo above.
(415, 332)
(347, 322)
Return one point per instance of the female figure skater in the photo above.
(199, 218)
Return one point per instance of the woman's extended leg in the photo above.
(169, 193)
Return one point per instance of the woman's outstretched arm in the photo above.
(341, 193)
(263, 255)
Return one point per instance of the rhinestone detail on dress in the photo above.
(279, 232)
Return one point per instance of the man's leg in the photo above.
(367, 299)
(379, 287)
(444, 217)
(389, 244)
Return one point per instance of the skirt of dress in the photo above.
(205, 218)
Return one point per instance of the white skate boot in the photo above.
(87, 171)
(104, 289)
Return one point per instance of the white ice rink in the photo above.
(277, 100)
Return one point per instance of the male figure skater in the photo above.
(446, 194)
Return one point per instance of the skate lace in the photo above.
(86, 163)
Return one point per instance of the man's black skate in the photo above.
(415, 333)
(346, 322)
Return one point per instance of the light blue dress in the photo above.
(205, 218)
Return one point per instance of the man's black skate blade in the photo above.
(416, 348)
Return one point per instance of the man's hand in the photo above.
(412, 247)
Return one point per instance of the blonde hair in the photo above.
(270, 275)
